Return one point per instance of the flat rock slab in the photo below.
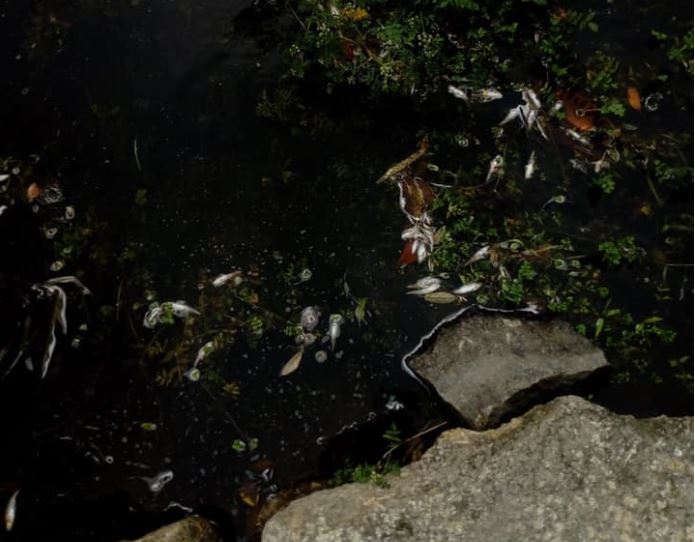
(190, 529)
(487, 367)
(568, 471)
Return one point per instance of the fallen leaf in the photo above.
(633, 98)
(249, 495)
(293, 364)
(440, 297)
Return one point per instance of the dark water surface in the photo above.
(81, 86)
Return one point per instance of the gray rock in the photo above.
(568, 471)
(490, 366)
(190, 529)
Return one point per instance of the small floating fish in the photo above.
(468, 288)
(11, 511)
(481, 254)
(204, 352)
(221, 280)
(486, 95)
(70, 279)
(458, 93)
(496, 166)
(530, 168)
(425, 286)
(156, 483)
(334, 323)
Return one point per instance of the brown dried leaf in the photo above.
(293, 364)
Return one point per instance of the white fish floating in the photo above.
(203, 352)
(530, 168)
(11, 511)
(496, 167)
(334, 323)
(424, 286)
(468, 288)
(458, 93)
(156, 483)
(221, 280)
(293, 364)
(179, 309)
(70, 279)
(529, 113)
(481, 254)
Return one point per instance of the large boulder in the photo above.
(488, 367)
(190, 529)
(565, 471)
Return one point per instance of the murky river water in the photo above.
(159, 97)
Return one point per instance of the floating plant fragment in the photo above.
(293, 364)
(361, 310)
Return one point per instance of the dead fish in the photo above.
(177, 308)
(221, 280)
(304, 276)
(204, 352)
(334, 323)
(441, 297)
(481, 254)
(530, 168)
(496, 166)
(70, 279)
(458, 93)
(468, 288)
(425, 286)
(11, 511)
(309, 318)
(486, 95)
(293, 364)
(193, 374)
(156, 483)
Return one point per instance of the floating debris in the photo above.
(393, 404)
(652, 102)
(633, 98)
(11, 511)
(405, 164)
(334, 323)
(321, 356)
(293, 364)
(309, 318)
(441, 298)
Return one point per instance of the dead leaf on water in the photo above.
(441, 297)
(633, 98)
(293, 364)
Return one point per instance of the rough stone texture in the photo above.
(190, 529)
(566, 471)
(487, 367)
